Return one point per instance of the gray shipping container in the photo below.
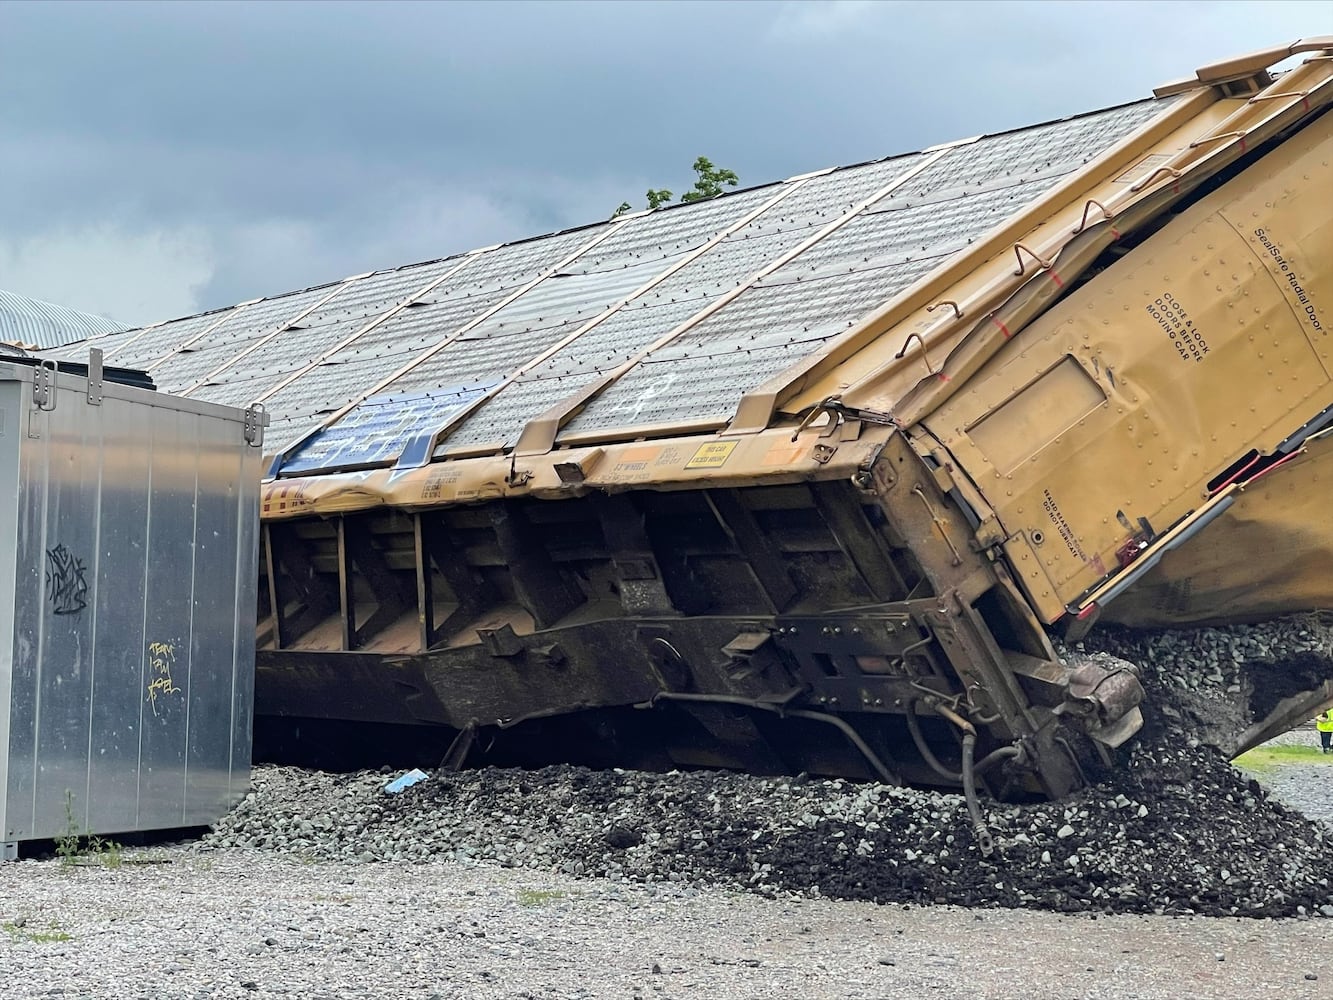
(128, 543)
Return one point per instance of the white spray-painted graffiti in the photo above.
(161, 660)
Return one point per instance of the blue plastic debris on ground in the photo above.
(406, 780)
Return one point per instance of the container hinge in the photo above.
(44, 385)
(43, 394)
(95, 377)
(256, 419)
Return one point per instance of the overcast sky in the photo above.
(161, 159)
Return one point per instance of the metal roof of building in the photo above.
(34, 323)
(657, 318)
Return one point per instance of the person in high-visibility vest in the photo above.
(1324, 723)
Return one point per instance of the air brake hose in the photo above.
(880, 768)
(1013, 752)
(968, 775)
(914, 727)
(995, 756)
(984, 843)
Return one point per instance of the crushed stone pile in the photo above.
(1209, 684)
(1172, 829)
(1183, 833)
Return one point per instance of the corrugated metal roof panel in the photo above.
(483, 284)
(46, 325)
(517, 336)
(915, 227)
(691, 306)
(1065, 145)
(357, 305)
(177, 367)
(142, 347)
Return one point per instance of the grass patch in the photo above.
(539, 897)
(19, 932)
(1265, 759)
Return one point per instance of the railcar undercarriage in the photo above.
(782, 628)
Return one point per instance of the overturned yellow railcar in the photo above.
(808, 476)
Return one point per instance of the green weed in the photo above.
(18, 931)
(539, 897)
(74, 847)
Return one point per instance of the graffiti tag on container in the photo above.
(66, 587)
(161, 660)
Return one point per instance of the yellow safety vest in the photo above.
(1324, 723)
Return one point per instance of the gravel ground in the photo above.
(1310, 785)
(257, 924)
(1174, 876)
(1305, 785)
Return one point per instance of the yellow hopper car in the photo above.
(811, 476)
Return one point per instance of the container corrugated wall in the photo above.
(128, 548)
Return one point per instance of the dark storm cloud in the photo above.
(251, 148)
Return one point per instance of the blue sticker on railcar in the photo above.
(376, 431)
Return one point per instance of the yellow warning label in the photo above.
(712, 455)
